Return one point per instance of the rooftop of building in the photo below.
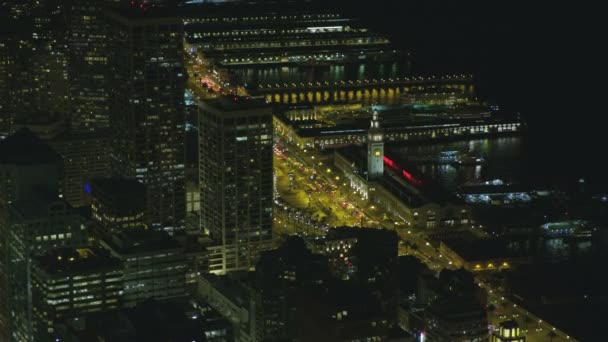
(233, 286)
(193, 244)
(509, 324)
(235, 103)
(76, 260)
(393, 118)
(177, 320)
(39, 206)
(453, 307)
(141, 241)
(24, 147)
(117, 187)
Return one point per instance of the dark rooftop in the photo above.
(510, 324)
(233, 286)
(141, 241)
(69, 260)
(38, 206)
(118, 187)
(24, 147)
(153, 321)
(235, 103)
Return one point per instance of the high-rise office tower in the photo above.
(33, 218)
(88, 65)
(154, 264)
(6, 65)
(147, 106)
(86, 155)
(70, 282)
(48, 61)
(16, 73)
(235, 170)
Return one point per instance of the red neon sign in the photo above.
(405, 174)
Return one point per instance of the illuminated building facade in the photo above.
(88, 65)
(154, 264)
(16, 79)
(508, 331)
(238, 302)
(116, 203)
(375, 149)
(85, 155)
(33, 219)
(454, 319)
(253, 35)
(48, 62)
(338, 251)
(402, 192)
(235, 170)
(70, 282)
(453, 307)
(312, 134)
(148, 110)
(6, 66)
(35, 226)
(176, 320)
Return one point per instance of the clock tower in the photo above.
(375, 149)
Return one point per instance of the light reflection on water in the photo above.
(504, 159)
(333, 73)
(551, 249)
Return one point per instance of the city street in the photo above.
(314, 195)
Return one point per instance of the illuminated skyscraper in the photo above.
(235, 170)
(33, 218)
(70, 282)
(16, 69)
(147, 106)
(49, 56)
(88, 65)
(6, 66)
(86, 155)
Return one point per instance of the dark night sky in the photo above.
(532, 58)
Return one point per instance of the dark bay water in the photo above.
(531, 160)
